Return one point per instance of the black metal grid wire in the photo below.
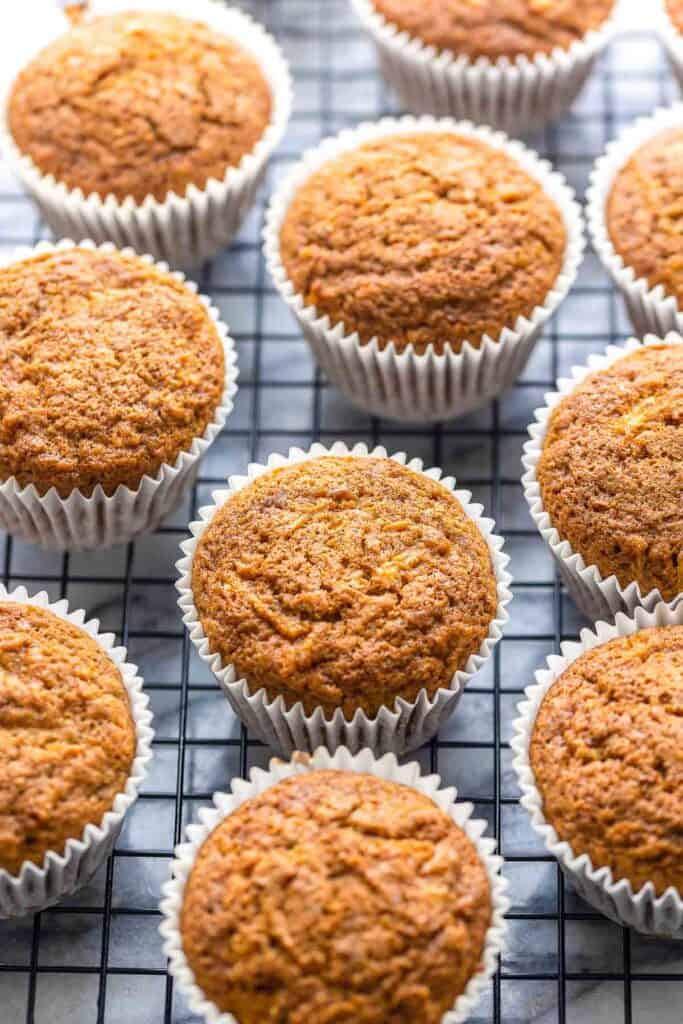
(97, 956)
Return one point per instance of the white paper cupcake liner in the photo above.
(651, 310)
(184, 230)
(78, 522)
(598, 598)
(403, 727)
(405, 385)
(519, 95)
(364, 762)
(64, 871)
(642, 910)
(671, 39)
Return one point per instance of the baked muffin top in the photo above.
(66, 733)
(336, 896)
(137, 104)
(611, 470)
(429, 238)
(607, 757)
(675, 11)
(109, 368)
(497, 28)
(344, 582)
(644, 210)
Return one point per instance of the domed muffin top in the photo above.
(344, 582)
(139, 104)
(66, 733)
(336, 896)
(644, 210)
(607, 756)
(611, 474)
(497, 28)
(421, 239)
(109, 368)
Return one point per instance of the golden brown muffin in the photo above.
(139, 104)
(66, 733)
(611, 470)
(109, 368)
(675, 12)
(607, 757)
(344, 582)
(423, 239)
(336, 897)
(644, 212)
(497, 28)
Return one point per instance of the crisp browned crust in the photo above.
(611, 471)
(66, 733)
(675, 10)
(497, 28)
(109, 368)
(422, 239)
(139, 104)
(607, 757)
(644, 212)
(344, 582)
(336, 897)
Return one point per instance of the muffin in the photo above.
(597, 754)
(139, 104)
(407, 241)
(497, 28)
(609, 469)
(632, 200)
(109, 369)
(643, 210)
(170, 120)
(66, 730)
(344, 583)
(429, 239)
(607, 756)
(112, 380)
(384, 901)
(513, 64)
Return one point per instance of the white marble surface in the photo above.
(631, 82)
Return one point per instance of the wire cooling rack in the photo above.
(97, 957)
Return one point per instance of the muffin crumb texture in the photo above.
(423, 239)
(109, 368)
(611, 470)
(66, 733)
(139, 104)
(344, 582)
(607, 757)
(336, 897)
(644, 210)
(675, 11)
(497, 28)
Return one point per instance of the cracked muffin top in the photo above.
(611, 470)
(423, 239)
(644, 211)
(139, 104)
(675, 12)
(496, 28)
(66, 733)
(109, 368)
(607, 756)
(335, 896)
(344, 582)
